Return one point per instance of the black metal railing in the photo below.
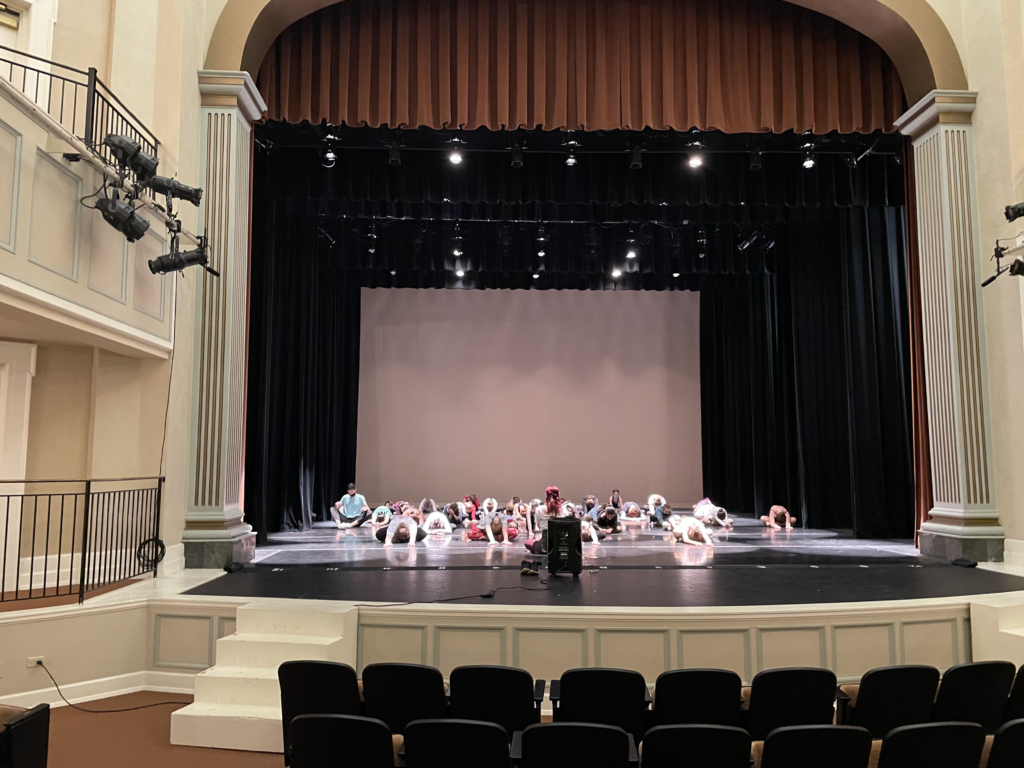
(76, 99)
(70, 537)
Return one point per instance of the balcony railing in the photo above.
(71, 537)
(76, 99)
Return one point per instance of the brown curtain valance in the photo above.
(732, 65)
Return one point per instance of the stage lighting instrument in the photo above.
(123, 218)
(128, 153)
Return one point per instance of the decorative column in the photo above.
(215, 532)
(964, 521)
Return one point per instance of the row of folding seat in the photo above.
(335, 741)
(983, 693)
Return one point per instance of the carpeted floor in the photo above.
(135, 739)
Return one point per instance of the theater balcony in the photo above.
(66, 277)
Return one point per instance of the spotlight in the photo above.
(174, 188)
(536, 276)
(128, 152)
(175, 262)
(631, 254)
(123, 218)
(327, 157)
(541, 253)
(756, 160)
(542, 234)
(393, 273)
(456, 251)
(373, 230)
(570, 159)
(394, 154)
(460, 273)
(1017, 268)
(616, 272)
(808, 161)
(695, 161)
(636, 161)
(517, 157)
(1014, 212)
(455, 157)
(675, 274)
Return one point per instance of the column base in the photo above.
(981, 549)
(216, 553)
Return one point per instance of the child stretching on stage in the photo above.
(710, 514)
(493, 524)
(690, 530)
(777, 517)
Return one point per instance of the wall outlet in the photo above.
(33, 661)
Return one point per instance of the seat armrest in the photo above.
(647, 697)
(538, 690)
(555, 692)
(401, 751)
(843, 706)
(633, 757)
(515, 752)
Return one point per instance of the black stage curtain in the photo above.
(303, 376)
(805, 380)
(362, 177)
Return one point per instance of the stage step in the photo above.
(238, 685)
(237, 702)
(251, 649)
(228, 726)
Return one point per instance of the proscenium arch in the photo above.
(909, 31)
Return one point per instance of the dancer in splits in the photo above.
(777, 517)
(690, 530)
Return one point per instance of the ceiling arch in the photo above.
(909, 31)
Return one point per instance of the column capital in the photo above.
(938, 107)
(221, 88)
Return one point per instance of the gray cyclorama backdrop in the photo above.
(502, 392)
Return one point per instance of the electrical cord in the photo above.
(104, 711)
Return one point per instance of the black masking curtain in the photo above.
(303, 375)
(805, 380)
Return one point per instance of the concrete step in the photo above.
(254, 649)
(238, 685)
(228, 726)
(318, 618)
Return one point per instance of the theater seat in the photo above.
(24, 736)
(813, 746)
(887, 698)
(318, 740)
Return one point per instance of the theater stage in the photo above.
(751, 565)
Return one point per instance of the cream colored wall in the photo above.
(59, 416)
(76, 647)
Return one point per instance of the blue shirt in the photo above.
(352, 505)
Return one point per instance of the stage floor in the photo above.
(750, 565)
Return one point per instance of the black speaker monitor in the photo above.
(565, 546)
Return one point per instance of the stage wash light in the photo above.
(695, 161)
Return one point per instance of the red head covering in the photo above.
(552, 500)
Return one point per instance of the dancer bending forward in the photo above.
(690, 530)
(777, 517)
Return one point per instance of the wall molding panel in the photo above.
(847, 638)
(11, 177)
